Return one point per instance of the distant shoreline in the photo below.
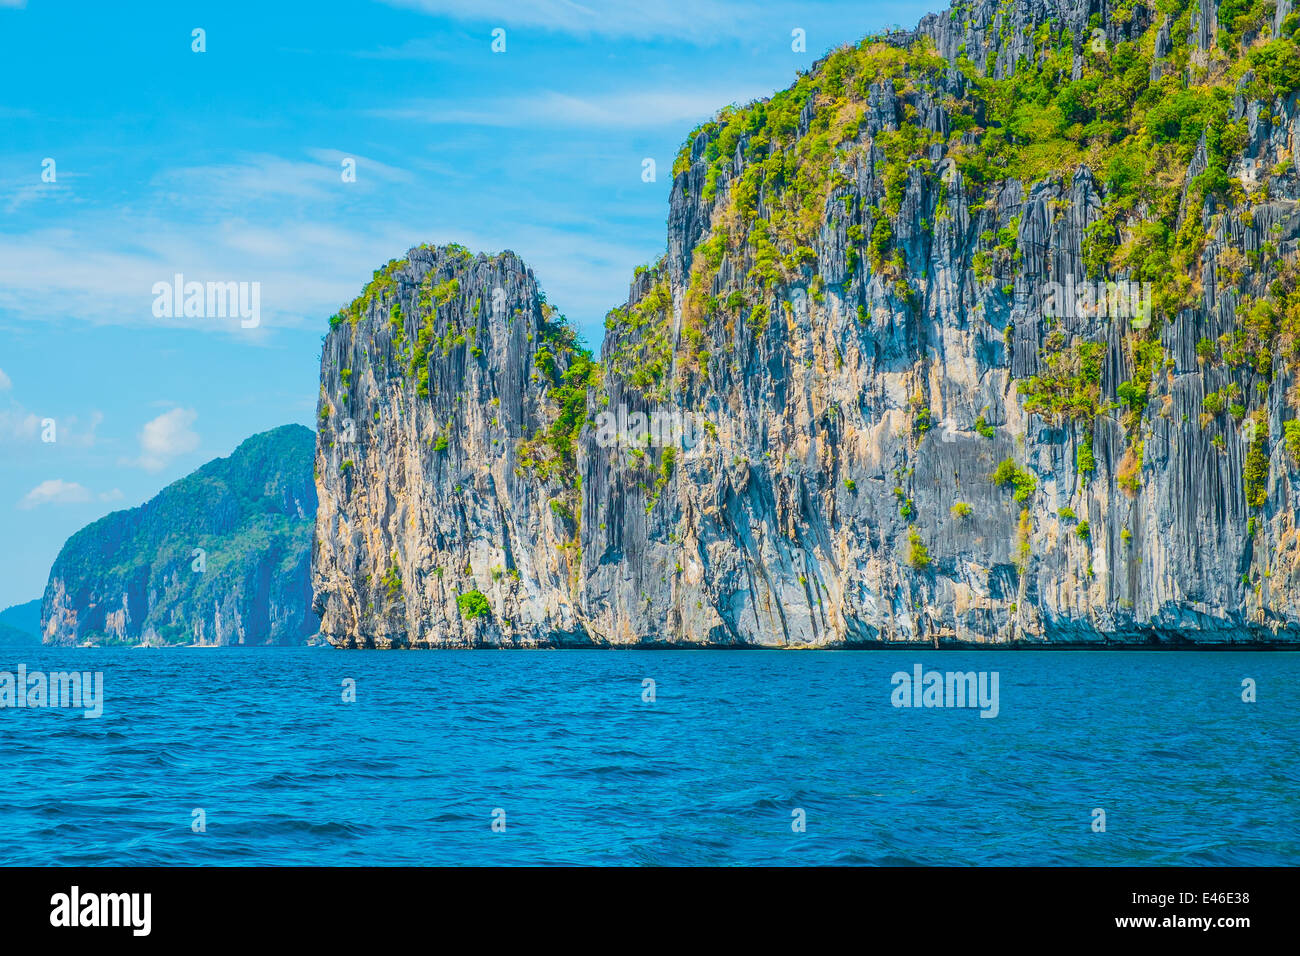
(879, 646)
(1034, 646)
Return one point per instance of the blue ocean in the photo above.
(252, 756)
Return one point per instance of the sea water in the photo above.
(315, 756)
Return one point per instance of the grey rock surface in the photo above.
(840, 489)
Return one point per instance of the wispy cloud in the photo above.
(629, 109)
(166, 437)
(102, 269)
(104, 272)
(333, 159)
(262, 218)
(83, 437)
(702, 22)
(253, 178)
(6, 382)
(34, 192)
(25, 183)
(54, 491)
(19, 425)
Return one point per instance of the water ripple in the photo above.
(249, 756)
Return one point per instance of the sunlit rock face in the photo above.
(925, 384)
(445, 520)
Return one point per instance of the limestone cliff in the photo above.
(221, 556)
(447, 402)
(988, 332)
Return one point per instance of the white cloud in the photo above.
(54, 491)
(701, 21)
(366, 166)
(113, 495)
(306, 268)
(13, 4)
(82, 437)
(6, 382)
(18, 424)
(634, 109)
(309, 259)
(256, 178)
(23, 191)
(261, 177)
(166, 437)
(104, 278)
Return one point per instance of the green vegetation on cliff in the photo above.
(1138, 122)
(21, 624)
(221, 555)
(568, 371)
(854, 283)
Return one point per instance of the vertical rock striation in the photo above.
(447, 512)
(988, 331)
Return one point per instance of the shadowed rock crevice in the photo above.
(911, 426)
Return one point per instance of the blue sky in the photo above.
(226, 165)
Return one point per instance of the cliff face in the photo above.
(447, 389)
(134, 576)
(987, 332)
